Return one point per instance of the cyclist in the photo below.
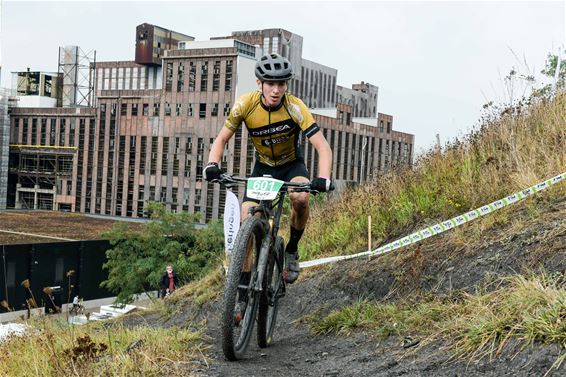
(275, 121)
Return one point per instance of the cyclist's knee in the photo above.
(245, 211)
(300, 201)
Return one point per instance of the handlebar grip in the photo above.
(332, 186)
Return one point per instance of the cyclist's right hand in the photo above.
(212, 172)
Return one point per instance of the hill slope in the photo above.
(443, 267)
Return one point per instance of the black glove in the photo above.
(211, 171)
(321, 184)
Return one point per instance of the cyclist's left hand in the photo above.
(322, 184)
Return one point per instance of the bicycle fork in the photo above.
(262, 262)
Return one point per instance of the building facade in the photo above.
(150, 133)
(4, 146)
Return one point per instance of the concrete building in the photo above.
(36, 89)
(4, 146)
(150, 133)
(362, 97)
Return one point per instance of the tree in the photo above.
(136, 262)
(550, 71)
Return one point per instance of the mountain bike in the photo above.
(259, 249)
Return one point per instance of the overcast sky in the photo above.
(436, 63)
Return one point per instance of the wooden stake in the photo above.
(369, 232)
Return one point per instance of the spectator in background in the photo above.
(169, 282)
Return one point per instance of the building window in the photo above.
(145, 109)
(72, 132)
(156, 109)
(197, 200)
(190, 109)
(216, 76)
(165, 157)
(388, 127)
(228, 82)
(204, 76)
(226, 109)
(62, 132)
(52, 132)
(178, 109)
(214, 111)
(381, 129)
(143, 152)
(169, 77)
(134, 109)
(176, 160)
(167, 109)
(200, 153)
(202, 111)
(265, 45)
(43, 138)
(153, 161)
(124, 109)
(192, 76)
(34, 131)
(180, 77)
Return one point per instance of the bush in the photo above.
(137, 260)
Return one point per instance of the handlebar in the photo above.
(232, 181)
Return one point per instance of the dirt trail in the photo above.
(440, 268)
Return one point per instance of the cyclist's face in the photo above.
(272, 92)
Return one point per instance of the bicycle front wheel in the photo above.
(240, 300)
(274, 290)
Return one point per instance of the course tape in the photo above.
(445, 225)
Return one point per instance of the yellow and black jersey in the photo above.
(275, 131)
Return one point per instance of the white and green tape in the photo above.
(445, 225)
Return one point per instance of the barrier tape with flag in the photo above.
(445, 225)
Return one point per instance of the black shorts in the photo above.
(284, 172)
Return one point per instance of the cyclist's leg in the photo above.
(244, 214)
(299, 218)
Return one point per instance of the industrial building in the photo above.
(146, 130)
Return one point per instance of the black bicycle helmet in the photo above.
(273, 67)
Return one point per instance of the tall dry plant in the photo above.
(512, 148)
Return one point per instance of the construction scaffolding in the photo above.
(4, 146)
(77, 76)
(44, 176)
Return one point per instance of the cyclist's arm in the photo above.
(324, 154)
(217, 148)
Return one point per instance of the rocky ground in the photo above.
(527, 242)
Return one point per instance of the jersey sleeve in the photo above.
(238, 113)
(302, 115)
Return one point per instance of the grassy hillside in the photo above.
(510, 150)
(506, 271)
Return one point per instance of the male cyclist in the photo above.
(275, 121)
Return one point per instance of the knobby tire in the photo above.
(234, 349)
(267, 312)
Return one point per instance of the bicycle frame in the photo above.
(271, 219)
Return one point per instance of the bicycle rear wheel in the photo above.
(240, 300)
(269, 300)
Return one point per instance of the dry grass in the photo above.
(52, 223)
(207, 289)
(57, 349)
(510, 151)
(476, 325)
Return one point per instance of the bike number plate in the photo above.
(262, 188)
